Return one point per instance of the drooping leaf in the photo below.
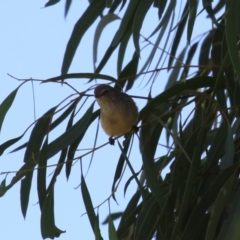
(178, 35)
(68, 137)
(9, 143)
(232, 12)
(41, 174)
(193, 4)
(217, 211)
(89, 208)
(119, 168)
(73, 147)
(48, 228)
(128, 74)
(101, 25)
(32, 154)
(51, 2)
(6, 104)
(3, 188)
(67, 7)
(147, 220)
(111, 229)
(114, 217)
(80, 75)
(138, 21)
(85, 21)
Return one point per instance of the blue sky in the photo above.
(33, 41)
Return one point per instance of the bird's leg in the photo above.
(135, 129)
(111, 141)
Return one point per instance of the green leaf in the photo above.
(80, 75)
(38, 133)
(114, 216)
(147, 220)
(47, 217)
(141, 12)
(191, 54)
(140, 187)
(193, 149)
(94, 10)
(67, 7)
(73, 147)
(3, 188)
(111, 229)
(51, 2)
(232, 14)
(129, 73)
(41, 174)
(228, 158)
(25, 192)
(54, 124)
(89, 207)
(218, 208)
(97, 230)
(194, 83)
(193, 4)
(122, 50)
(119, 168)
(129, 13)
(6, 104)
(9, 143)
(129, 181)
(68, 137)
(48, 228)
(230, 229)
(152, 178)
(123, 31)
(129, 216)
(178, 35)
(88, 202)
(32, 154)
(208, 198)
(110, 17)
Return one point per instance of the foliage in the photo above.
(199, 198)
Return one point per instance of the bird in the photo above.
(119, 113)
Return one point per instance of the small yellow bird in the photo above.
(119, 113)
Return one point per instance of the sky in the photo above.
(33, 42)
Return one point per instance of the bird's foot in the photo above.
(135, 129)
(111, 141)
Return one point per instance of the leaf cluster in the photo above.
(198, 112)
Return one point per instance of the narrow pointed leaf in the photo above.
(119, 168)
(68, 137)
(89, 207)
(67, 7)
(232, 14)
(51, 2)
(9, 143)
(147, 220)
(41, 174)
(101, 25)
(111, 229)
(73, 147)
(47, 217)
(6, 104)
(3, 188)
(193, 4)
(32, 154)
(80, 75)
(94, 10)
(141, 12)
